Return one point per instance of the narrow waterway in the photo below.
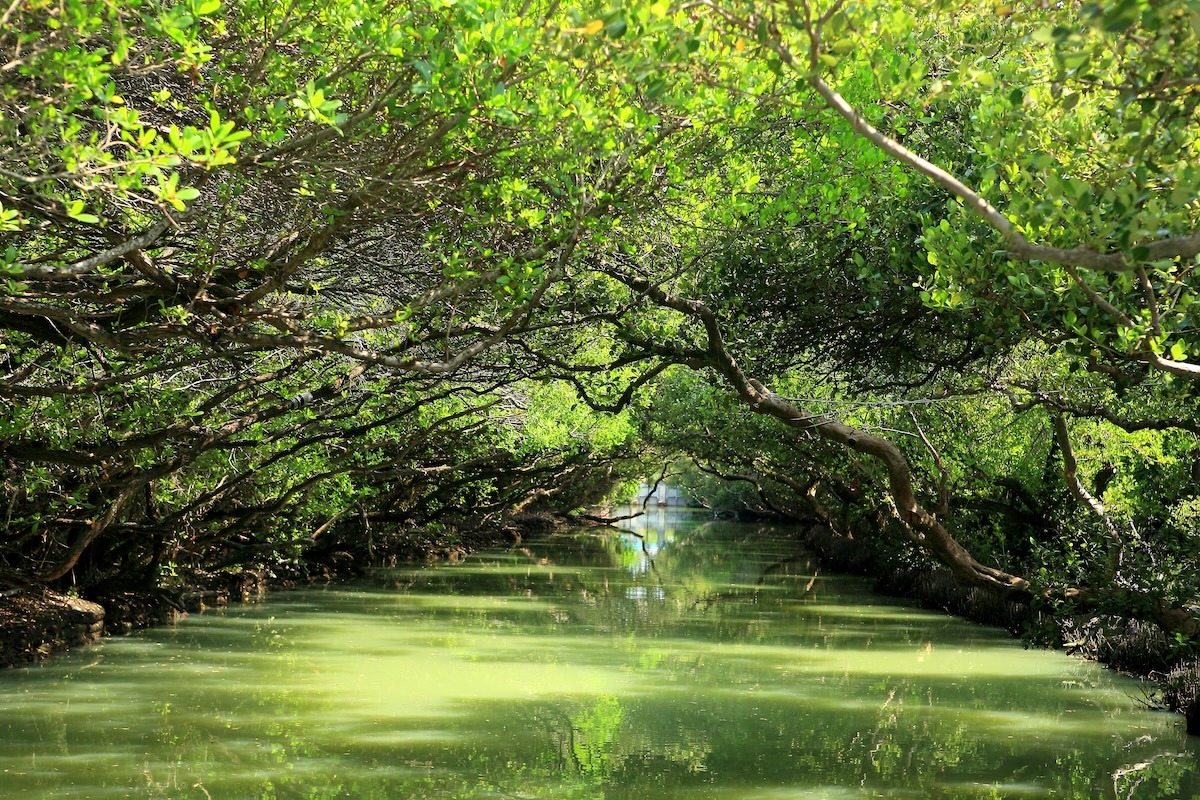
(707, 660)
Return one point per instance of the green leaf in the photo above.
(1121, 16)
(1044, 35)
(75, 211)
(616, 29)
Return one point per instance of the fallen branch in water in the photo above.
(598, 519)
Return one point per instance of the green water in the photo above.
(713, 663)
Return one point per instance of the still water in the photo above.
(709, 660)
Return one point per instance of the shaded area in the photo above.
(35, 624)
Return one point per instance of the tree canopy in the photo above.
(278, 272)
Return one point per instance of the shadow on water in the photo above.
(714, 662)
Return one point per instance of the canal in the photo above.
(696, 659)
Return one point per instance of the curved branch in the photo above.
(924, 528)
(1183, 247)
(84, 266)
(1098, 411)
(1071, 478)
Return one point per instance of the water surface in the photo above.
(709, 660)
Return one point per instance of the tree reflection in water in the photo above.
(713, 662)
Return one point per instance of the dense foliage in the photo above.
(276, 270)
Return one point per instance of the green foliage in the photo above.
(1084, 138)
(271, 270)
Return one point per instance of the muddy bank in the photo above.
(1136, 648)
(37, 622)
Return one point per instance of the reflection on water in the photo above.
(701, 660)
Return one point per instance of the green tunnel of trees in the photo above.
(277, 273)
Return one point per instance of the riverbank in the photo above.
(1132, 647)
(37, 622)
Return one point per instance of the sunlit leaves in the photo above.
(1075, 122)
(316, 107)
